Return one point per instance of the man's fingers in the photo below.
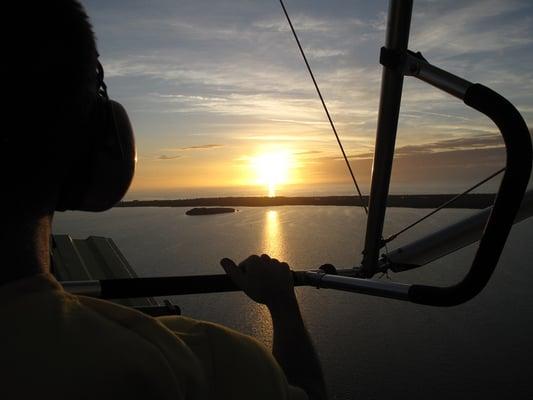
(265, 257)
(232, 270)
(227, 265)
(253, 259)
(251, 262)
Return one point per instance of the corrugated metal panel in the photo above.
(92, 258)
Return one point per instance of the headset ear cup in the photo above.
(102, 178)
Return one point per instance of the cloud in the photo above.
(195, 147)
(443, 171)
(308, 152)
(469, 143)
(470, 26)
(486, 141)
(324, 53)
(202, 147)
(284, 138)
(301, 122)
(469, 165)
(165, 157)
(308, 23)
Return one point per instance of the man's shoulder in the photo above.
(237, 365)
(85, 339)
(151, 331)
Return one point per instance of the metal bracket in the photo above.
(391, 58)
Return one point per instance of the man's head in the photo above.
(50, 84)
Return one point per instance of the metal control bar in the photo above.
(172, 286)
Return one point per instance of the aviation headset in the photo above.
(101, 176)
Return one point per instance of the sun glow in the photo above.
(272, 169)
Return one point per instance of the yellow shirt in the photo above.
(56, 345)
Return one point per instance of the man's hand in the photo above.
(264, 279)
(269, 282)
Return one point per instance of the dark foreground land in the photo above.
(409, 201)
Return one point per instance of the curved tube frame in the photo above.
(506, 205)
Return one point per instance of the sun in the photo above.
(272, 169)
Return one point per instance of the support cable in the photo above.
(325, 107)
(444, 205)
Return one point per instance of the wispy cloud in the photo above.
(470, 27)
(484, 141)
(468, 143)
(199, 147)
(165, 157)
(308, 152)
(308, 23)
(202, 147)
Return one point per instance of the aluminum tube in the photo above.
(389, 108)
(391, 290)
(437, 77)
(448, 239)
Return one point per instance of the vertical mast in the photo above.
(398, 24)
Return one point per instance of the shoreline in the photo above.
(472, 201)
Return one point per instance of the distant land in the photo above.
(409, 201)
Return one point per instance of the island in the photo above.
(210, 210)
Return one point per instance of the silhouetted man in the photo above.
(56, 345)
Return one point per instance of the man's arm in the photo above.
(269, 282)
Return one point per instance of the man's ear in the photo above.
(102, 174)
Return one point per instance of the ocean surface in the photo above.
(295, 190)
(371, 348)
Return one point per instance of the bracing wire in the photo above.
(444, 205)
(324, 106)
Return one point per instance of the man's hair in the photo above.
(51, 58)
(49, 86)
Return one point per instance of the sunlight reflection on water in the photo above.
(273, 236)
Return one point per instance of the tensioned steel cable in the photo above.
(394, 236)
(324, 105)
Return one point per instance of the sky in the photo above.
(213, 86)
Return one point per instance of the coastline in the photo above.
(472, 201)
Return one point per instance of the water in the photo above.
(323, 189)
(371, 348)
